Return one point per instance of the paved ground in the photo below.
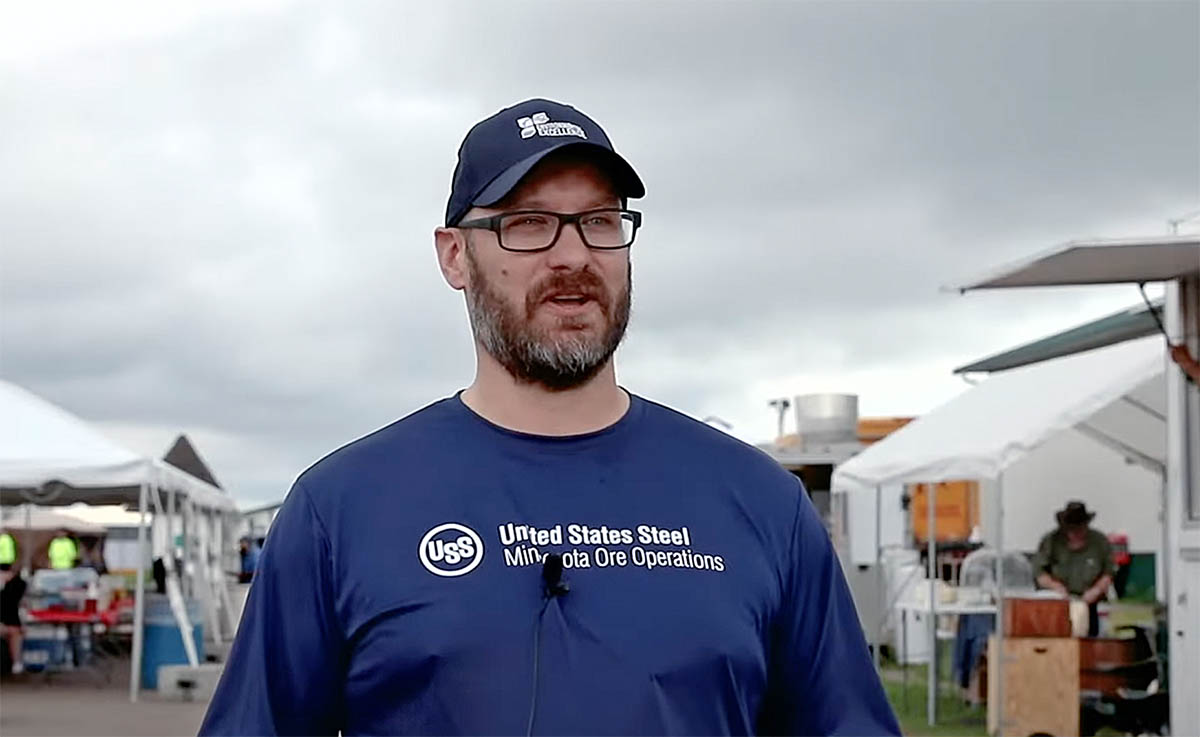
(77, 704)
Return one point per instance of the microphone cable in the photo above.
(537, 659)
(553, 587)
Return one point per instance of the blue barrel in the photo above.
(162, 644)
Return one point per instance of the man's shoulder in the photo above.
(1097, 539)
(1050, 538)
(423, 427)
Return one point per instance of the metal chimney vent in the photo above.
(824, 420)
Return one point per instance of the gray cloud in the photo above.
(223, 225)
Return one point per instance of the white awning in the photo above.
(42, 444)
(1113, 261)
(44, 519)
(1113, 394)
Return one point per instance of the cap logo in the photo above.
(539, 124)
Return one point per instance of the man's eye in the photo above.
(530, 220)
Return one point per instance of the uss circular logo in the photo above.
(450, 550)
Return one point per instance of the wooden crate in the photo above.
(1037, 618)
(1041, 687)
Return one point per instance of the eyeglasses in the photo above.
(538, 230)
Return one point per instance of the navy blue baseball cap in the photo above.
(499, 151)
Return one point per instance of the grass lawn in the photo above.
(953, 716)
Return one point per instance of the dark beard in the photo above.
(532, 356)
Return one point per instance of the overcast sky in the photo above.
(218, 220)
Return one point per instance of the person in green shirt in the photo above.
(1076, 560)
(8, 549)
(63, 551)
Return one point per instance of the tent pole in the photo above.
(26, 548)
(209, 578)
(204, 572)
(931, 672)
(175, 596)
(139, 605)
(1161, 569)
(1131, 454)
(880, 595)
(227, 533)
(194, 551)
(170, 552)
(192, 554)
(227, 622)
(999, 705)
(185, 534)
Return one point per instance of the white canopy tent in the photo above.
(41, 443)
(1174, 260)
(1113, 395)
(38, 518)
(990, 426)
(50, 457)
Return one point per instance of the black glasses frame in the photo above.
(492, 223)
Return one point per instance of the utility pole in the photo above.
(781, 407)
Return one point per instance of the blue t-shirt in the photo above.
(250, 559)
(400, 591)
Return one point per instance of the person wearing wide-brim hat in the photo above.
(1076, 560)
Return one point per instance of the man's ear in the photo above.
(451, 245)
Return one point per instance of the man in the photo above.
(10, 614)
(63, 552)
(249, 552)
(544, 552)
(1076, 560)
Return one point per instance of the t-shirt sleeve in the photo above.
(821, 679)
(1106, 556)
(1044, 557)
(284, 674)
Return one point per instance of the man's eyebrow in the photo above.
(538, 204)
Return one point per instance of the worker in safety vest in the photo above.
(8, 549)
(63, 551)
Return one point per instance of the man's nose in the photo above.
(569, 251)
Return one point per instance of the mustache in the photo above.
(583, 282)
